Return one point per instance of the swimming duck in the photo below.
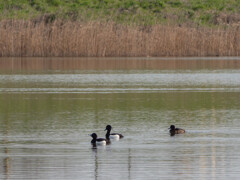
(115, 136)
(174, 130)
(97, 141)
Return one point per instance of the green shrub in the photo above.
(205, 18)
(175, 3)
(197, 7)
(53, 2)
(229, 9)
(159, 3)
(190, 13)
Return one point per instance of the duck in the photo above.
(115, 136)
(174, 130)
(97, 141)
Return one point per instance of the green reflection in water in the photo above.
(32, 112)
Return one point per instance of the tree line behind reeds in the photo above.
(107, 39)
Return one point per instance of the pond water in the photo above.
(48, 107)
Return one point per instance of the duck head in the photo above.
(172, 127)
(93, 135)
(108, 128)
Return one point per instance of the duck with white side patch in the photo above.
(115, 136)
(97, 141)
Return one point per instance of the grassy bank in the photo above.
(108, 39)
(147, 12)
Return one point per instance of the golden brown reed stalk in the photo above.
(107, 39)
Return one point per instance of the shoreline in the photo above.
(194, 58)
(43, 64)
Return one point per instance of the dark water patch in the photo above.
(32, 65)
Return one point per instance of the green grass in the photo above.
(197, 12)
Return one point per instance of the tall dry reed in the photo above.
(96, 39)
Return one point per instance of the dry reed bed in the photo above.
(94, 39)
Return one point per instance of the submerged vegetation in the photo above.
(147, 12)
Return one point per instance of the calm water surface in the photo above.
(47, 114)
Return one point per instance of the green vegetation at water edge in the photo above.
(192, 12)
